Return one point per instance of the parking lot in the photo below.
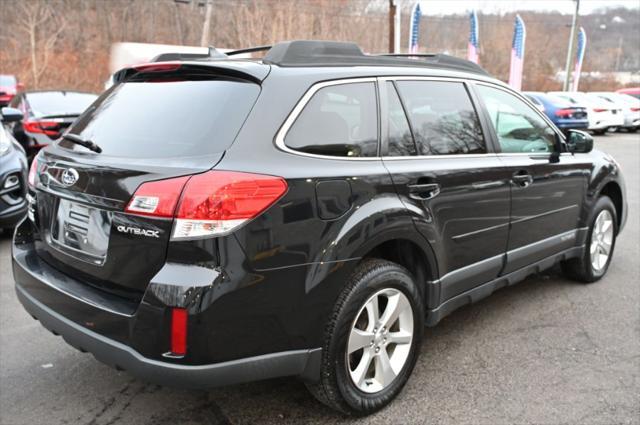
(545, 351)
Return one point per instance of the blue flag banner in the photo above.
(414, 29)
(517, 54)
(582, 46)
(474, 43)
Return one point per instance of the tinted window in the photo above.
(519, 128)
(59, 102)
(339, 120)
(167, 118)
(399, 133)
(442, 117)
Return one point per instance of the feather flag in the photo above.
(582, 45)
(474, 45)
(517, 54)
(414, 29)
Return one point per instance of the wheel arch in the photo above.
(614, 192)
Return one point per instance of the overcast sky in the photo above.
(438, 7)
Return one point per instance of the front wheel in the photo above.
(599, 249)
(372, 340)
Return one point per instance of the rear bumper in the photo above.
(132, 336)
(120, 356)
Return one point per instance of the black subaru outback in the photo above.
(211, 220)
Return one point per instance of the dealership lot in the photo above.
(545, 351)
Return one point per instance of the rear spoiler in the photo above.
(254, 72)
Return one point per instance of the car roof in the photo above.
(325, 59)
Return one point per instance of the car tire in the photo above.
(354, 383)
(600, 132)
(592, 265)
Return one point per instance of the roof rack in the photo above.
(248, 50)
(302, 53)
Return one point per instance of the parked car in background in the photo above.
(13, 173)
(9, 87)
(630, 108)
(217, 221)
(46, 115)
(603, 116)
(631, 91)
(564, 114)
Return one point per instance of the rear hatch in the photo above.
(157, 124)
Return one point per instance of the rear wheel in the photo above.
(372, 340)
(599, 249)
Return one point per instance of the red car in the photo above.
(9, 87)
(631, 91)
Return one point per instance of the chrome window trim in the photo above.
(293, 115)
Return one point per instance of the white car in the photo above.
(630, 108)
(602, 114)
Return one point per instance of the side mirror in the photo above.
(579, 141)
(10, 115)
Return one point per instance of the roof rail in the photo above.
(302, 53)
(248, 50)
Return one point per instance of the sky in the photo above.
(439, 7)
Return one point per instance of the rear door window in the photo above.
(399, 133)
(442, 117)
(167, 117)
(339, 120)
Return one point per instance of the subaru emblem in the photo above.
(69, 177)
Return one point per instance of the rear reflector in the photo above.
(599, 110)
(179, 331)
(212, 203)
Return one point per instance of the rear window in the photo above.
(167, 118)
(59, 102)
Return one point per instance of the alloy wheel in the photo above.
(380, 340)
(601, 241)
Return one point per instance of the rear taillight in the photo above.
(33, 173)
(564, 112)
(635, 109)
(212, 203)
(600, 110)
(50, 128)
(157, 198)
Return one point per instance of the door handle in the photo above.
(522, 178)
(423, 191)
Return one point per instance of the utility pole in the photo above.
(572, 37)
(204, 41)
(396, 35)
(392, 25)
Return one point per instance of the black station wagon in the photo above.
(211, 220)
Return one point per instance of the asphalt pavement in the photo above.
(547, 350)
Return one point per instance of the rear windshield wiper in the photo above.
(74, 138)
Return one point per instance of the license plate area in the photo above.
(81, 231)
